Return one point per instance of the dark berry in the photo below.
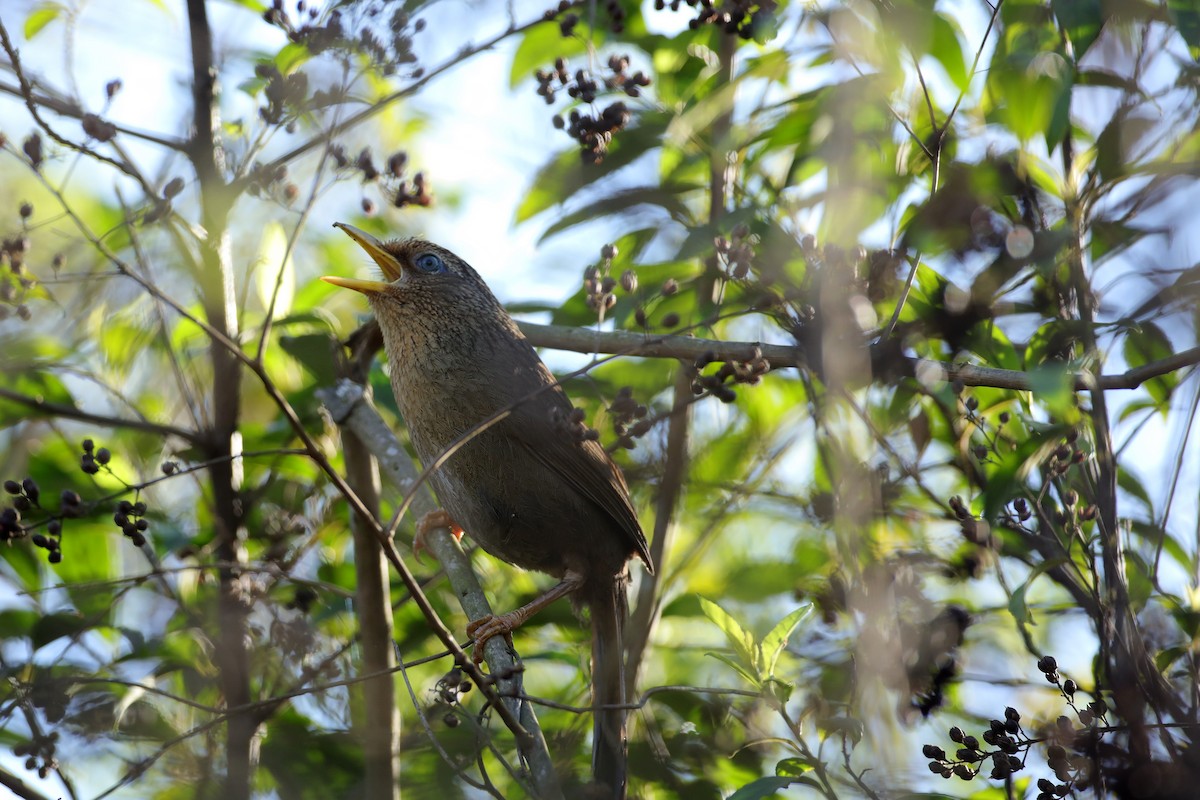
(12, 487)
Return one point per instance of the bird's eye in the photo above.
(429, 262)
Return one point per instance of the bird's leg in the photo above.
(434, 519)
(485, 628)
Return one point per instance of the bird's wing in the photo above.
(584, 466)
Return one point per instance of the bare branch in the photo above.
(64, 411)
(585, 340)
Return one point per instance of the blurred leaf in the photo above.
(626, 201)
(274, 265)
(770, 786)
(1186, 17)
(1016, 602)
(41, 16)
(533, 53)
(1081, 20)
(16, 624)
(55, 626)
(566, 174)
(1144, 345)
(948, 51)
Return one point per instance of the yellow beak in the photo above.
(366, 287)
(386, 261)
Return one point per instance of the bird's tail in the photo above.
(609, 607)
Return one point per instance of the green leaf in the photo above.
(1081, 20)
(947, 49)
(774, 642)
(1053, 385)
(274, 264)
(1016, 603)
(15, 624)
(535, 47)
(628, 201)
(745, 648)
(315, 351)
(768, 786)
(1187, 21)
(291, 56)
(55, 626)
(792, 767)
(41, 16)
(1129, 483)
(738, 666)
(1146, 344)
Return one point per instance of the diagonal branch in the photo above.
(71, 412)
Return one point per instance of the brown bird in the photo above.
(527, 488)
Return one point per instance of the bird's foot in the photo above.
(434, 519)
(485, 628)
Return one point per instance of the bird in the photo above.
(520, 479)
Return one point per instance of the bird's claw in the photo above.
(487, 627)
(431, 521)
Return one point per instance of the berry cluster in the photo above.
(449, 690)
(748, 19)
(15, 282)
(131, 519)
(286, 94)
(1005, 736)
(392, 177)
(616, 16)
(736, 252)
(629, 419)
(594, 133)
(718, 384)
(387, 48)
(92, 459)
(669, 288)
(24, 497)
(1011, 745)
(39, 752)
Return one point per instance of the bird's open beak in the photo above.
(366, 287)
(386, 261)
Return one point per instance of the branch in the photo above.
(585, 340)
(71, 412)
(66, 108)
(19, 788)
(375, 108)
(14, 58)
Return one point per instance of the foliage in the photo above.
(938, 450)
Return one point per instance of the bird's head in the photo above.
(422, 279)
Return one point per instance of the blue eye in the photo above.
(429, 262)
